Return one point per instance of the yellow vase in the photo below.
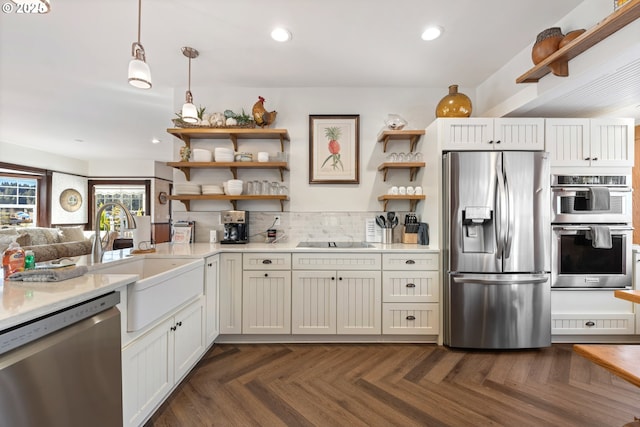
(455, 104)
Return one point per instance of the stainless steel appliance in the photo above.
(497, 250)
(236, 227)
(583, 199)
(64, 369)
(578, 263)
(591, 231)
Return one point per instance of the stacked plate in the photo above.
(211, 189)
(234, 187)
(189, 189)
(200, 155)
(223, 154)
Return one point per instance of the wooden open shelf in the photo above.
(412, 166)
(413, 200)
(412, 136)
(187, 198)
(187, 134)
(186, 167)
(559, 60)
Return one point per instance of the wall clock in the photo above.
(162, 197)
(70, 200)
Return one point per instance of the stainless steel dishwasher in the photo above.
(64, 369)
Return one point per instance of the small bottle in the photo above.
(12, 259)
(29, 260)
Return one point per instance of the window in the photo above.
(21, 196)
(133, 194)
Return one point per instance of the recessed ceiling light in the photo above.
(155, 141)
(281, 34)
(432, 33)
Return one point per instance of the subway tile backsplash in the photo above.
(294, 226)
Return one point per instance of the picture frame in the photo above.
(334, 149)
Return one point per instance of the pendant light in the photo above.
(189, 111)
(139, 72)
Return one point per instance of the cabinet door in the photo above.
(266, 302)
(147, 373)
(568, 142)
(359, 302)
(518, 134)
(188, 338)
(212, 326)
(230, 293)
(313, 309)
(466, 133)
(612, 142)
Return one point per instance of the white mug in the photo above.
(263, 156)
(402, 190)
(393, 190)
(419, 190)
(411, 191)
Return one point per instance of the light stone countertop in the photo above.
(24, 301)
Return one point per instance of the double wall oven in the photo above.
(592, 231)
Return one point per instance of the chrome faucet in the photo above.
(98, 248)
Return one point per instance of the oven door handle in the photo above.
(573, 190)
(582, 227)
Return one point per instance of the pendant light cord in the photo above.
(139, 18)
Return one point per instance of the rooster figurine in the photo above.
(261, 116)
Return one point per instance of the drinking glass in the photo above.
(265, 188)
(274, 189)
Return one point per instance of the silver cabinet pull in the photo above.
(266, 261)
(409, 261)
(411, 285)
(411, 317)
(590, 323)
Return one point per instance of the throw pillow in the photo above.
(24, 240)
(71, 234)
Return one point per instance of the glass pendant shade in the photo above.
(189, 113)
(139, 74)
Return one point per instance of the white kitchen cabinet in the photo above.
(328, 300)
(230, 293)
(590, 312)
(590, 142)
(155, 362)
(313, 297)
(485, 133)
(266, 293)
(410, 294)
(266, 302)
(212, 324)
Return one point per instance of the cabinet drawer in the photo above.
(410, 261)
(410, 286)
(592, 324)
(266, 261)
(336, 261)
(411, 318)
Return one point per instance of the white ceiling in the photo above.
(63, 85)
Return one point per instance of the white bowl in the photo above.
(234, 191)
(200, 155)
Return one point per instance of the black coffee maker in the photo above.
(236, 227)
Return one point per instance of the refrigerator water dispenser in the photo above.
(477, 222)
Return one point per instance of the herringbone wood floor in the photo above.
(396, 385)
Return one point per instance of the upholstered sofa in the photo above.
(48, 243)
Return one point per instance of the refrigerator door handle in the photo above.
(501, 206)
(506, 281)
(511, 220)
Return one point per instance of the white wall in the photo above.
(16, 154)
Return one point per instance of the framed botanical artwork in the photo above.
(334, 149)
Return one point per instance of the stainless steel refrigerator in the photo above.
(497, 291)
